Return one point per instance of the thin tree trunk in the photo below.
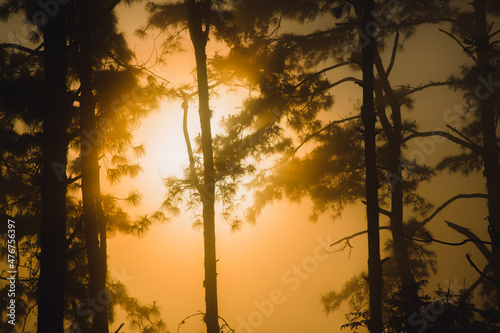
(372, 207)
(490, 152)
(51, 283)
(198, 16)
(394, 137)
(96, 253)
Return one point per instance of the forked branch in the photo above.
(192, 168)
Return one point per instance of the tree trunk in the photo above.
(490, 152)
(96, 253)
(394, 137)
(198, 17)
(372, 207)
(51, 283)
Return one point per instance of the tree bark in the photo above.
(490, 152)
(199, 26)
(54, 144)
(372, 206)
(96, 250)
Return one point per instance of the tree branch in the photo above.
(357, 234)
(380, 209)
(479, 271)
(330, 124)
(449, 201)
(463, 136)
(431, 84)
(466, 50)
(75, 231)
(393, 56)
(185, 106)
(74, 179)
(432, 239)
(473, 147)
(479, 280)
(119, 328)
(347, 79)
(21, 48)
(324, 70)
(470, 235)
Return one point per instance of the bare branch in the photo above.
(479, 271)
(119, 328)
(357, 234)
(493, 34)
(472, 146)
(380, 209)
(347, 79)
(479, 280)
(74, 179)
(393, 56)
(470, 235)
(432, 84)
(463, 136)
(449, 201)
(431, 239)
(185, 106)
(336, 122)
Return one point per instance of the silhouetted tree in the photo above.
(199, 18)
(54, 143)
(106, 80)
(372, 208)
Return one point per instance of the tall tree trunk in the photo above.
(96, 253)
(51, 283)
(490, 152)
(199, 26)
(372, 207)
(394, 137)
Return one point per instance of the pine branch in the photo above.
(463, 136)
(346, 79)
(185, 107)
(324, 70)
(76, 251)
(472, 146)
(380, 108)
(479, 271)
(119, 328)
(431, 239)
(447, 202)
(432, 84)
(310, 136)
(74, 179)
(78, 227)
(21, 48)
(493, 34)
(393, 56)
(465, 48)
(357, 234)
(380, 209)
(479, 280)
(470, 235)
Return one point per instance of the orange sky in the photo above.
(272, 275)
